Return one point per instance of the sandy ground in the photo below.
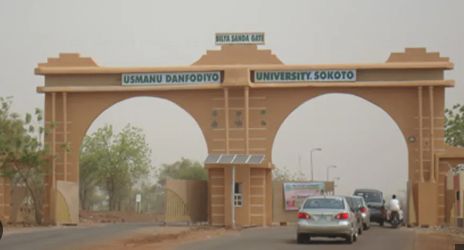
(162, 238)
(169, 237)
(436, 239)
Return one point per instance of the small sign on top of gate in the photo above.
(239, 38)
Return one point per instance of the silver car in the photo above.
(355, 208)
(364, 210)
(326, 216)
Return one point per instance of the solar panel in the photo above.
(226, 159)
(212, 159)
(255, 159)
(240, 159)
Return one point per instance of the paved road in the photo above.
(285, 238)
(67, 237)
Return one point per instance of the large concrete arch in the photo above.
(240, 115)
(402, 118)
(104, 102)
(287, 142)
(81, 111)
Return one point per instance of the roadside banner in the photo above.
(296, 192)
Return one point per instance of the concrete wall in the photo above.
(279, 214)
(454, 195)
(194, 196)
(5, 199)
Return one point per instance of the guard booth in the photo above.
(238, 189)
(455, 196)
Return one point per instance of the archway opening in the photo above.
(172, 136)
(360, 139)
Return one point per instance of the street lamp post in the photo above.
(311, 161)
(334, 185)
(329, 167)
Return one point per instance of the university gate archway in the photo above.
(239, 96)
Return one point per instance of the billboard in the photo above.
(296, 192)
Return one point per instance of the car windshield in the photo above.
(370, 196)
(324, 203)
(358, 202)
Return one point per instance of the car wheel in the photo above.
(365, 227)
(300, 238)
(360, 230)
(381, 223)
(355, 237)
(349, 239)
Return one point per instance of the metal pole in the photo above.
(338, 179)
(327, 173)
(312, 168)
(311, 161)
(233, 197)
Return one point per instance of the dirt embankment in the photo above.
(117, 217)
(439, 238)
(161, 238)
(157, 237)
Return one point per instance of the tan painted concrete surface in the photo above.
(409, 87)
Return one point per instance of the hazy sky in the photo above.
(355, 135)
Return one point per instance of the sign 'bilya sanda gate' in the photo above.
(239, 38)
(240, 95)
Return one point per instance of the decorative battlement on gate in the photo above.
(69, 60)
(238, 54)
(239, 65)
(416, 55)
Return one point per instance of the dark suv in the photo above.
(375, 203)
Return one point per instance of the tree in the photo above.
(284, 174)
(454, 125)
(279, 174)
(114, 163)
(152, 197)
(90, 177)
(183, 169)
(23, 156)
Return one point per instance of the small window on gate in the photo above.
(238, 197)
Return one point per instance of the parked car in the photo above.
(375, 204)
(364, 210)
(357, 212)
(326, 216)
